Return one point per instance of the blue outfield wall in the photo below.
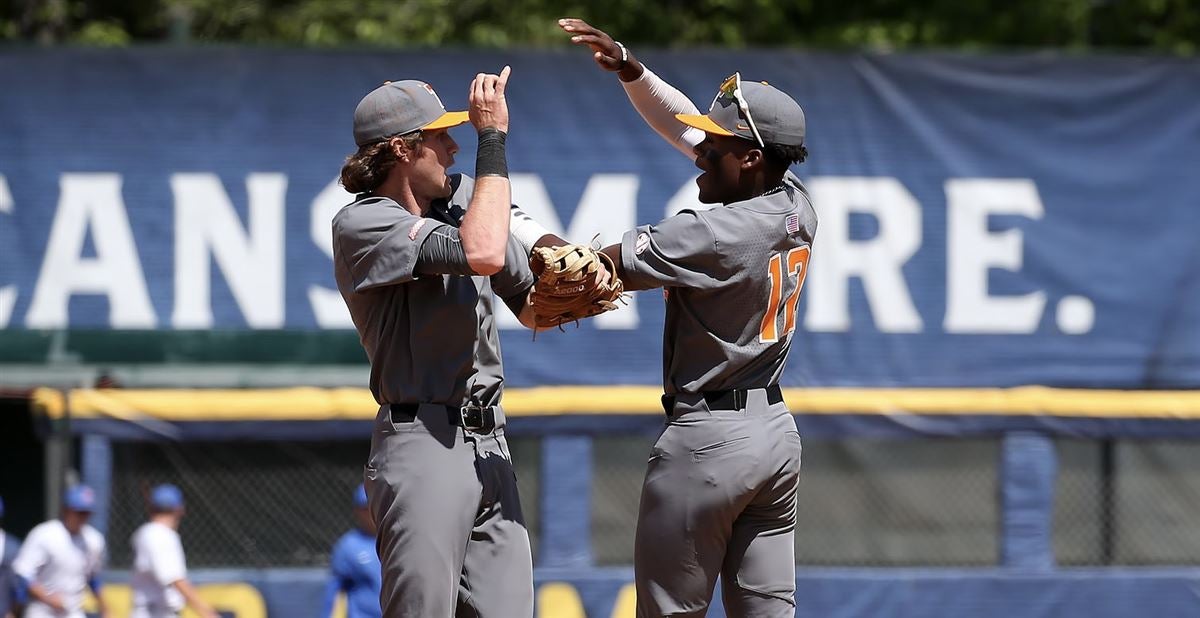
(820, 593)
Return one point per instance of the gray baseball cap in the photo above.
(778, 117)
(401, 107)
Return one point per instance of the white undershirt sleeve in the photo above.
(524, 229)
(658, 102)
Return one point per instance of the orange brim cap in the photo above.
(704, 123)
(447, 120)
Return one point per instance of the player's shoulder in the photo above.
(798, 192)
(366, 204)
(368, 213)
(92, 537)
(343, 542)
(46, 531)
(152, 531)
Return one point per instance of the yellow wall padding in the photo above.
(302, 403)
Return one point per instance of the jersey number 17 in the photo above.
(780, 268)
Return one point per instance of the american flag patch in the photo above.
(792, 223)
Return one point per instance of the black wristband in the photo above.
(489, 158)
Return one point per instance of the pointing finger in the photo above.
(503, 81)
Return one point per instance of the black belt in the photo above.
(734, 399)
(473, 418)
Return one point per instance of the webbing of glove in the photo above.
(568, 288)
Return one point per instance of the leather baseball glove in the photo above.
(574, 282)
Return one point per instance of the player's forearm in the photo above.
(658, 102)
(192, 598)
(484, 229)
(41, 595)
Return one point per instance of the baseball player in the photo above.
(9, 546)
(159, 577)
(417, 257)
(62, 557)
(354, 566)
(719, 497)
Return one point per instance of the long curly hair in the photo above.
(367, 168)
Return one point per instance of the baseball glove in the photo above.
(571, 284)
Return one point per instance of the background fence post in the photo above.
(95, 463)
(1027, 475)
(566, 502)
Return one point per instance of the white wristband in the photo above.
(624, 54)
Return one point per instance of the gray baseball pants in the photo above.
(452, 538)
(719, 498)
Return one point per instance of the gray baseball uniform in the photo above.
(720, 490)
(452, 538)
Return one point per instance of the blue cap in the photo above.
(360, 497)
(166, 497)
(80, 498)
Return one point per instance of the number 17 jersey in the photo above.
(732, 277)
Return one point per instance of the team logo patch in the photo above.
(643, 241)
(435, 96)
(792, 223)
(416, 227)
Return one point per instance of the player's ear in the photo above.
(400, 149)
(753, 157)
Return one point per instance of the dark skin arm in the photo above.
(605, 50)
(614, 252)
(607, 55)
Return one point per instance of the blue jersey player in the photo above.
(354, 566)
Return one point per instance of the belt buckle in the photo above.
(478, 419)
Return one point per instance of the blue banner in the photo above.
(985, 221)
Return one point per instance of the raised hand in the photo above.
(487, 106)
(606, 51)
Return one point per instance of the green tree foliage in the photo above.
(1171, 26)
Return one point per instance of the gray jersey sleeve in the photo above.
(679, 251)
(442, 254)
(515, 278)
(378, 241)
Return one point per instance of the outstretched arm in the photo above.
(656, 100)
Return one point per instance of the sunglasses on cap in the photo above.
(732, 88)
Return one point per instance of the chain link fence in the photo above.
(1127, 503)
(863, 502)
(260, 504)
